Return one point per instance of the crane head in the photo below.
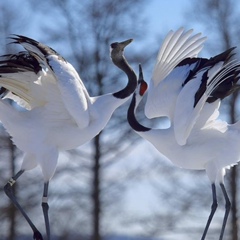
(142, 85)
(117, 48)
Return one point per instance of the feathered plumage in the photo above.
(196, 139)
(59, 113)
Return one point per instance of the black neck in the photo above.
(132, 79)
(132, 118)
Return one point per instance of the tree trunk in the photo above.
(96, 190)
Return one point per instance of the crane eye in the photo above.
(143, 88)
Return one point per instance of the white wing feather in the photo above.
(73, 93)
(167, 79)
(186, 115)
(176, 47)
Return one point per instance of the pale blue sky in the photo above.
(165, 15)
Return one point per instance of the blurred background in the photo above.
(117, 187)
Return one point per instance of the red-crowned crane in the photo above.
(213, 146)
(60, 114)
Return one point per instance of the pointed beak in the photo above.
(117, 48)
(125, 43)
(140, 75)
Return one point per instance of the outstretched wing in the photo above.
(55, 73)
(20, 77)
(199, 98)
(176, 47)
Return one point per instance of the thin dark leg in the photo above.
(213, 210)
(227, 209)
(45, 208)
(9, 192)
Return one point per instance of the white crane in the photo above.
(214, 146)
(60, 114)
(180, 85)
(176, 65)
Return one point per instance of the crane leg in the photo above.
(227, 209)
(8, 189)
(45, 208)
(213, 210)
